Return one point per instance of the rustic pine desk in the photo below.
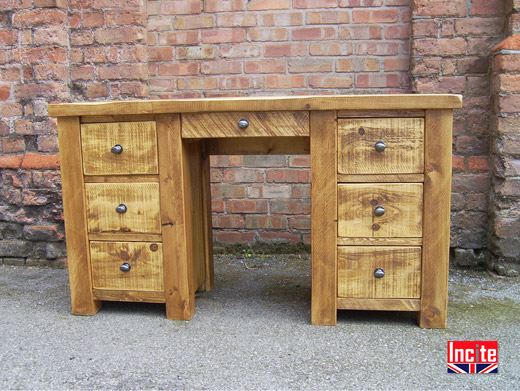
(136, 195)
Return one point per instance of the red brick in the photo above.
(242, 175)
(360, 32)
(439, 7)
(28, 19)
(247, 50)
(290, 207)
(508, 104)
(13, 144)
(426, 66)
(93, 19)
(446, 85)
(228, 221)
(48, 143)
(246, 206)
(377, 48)
(221, 67)
(328, 17)
(265, 66)
(261, 5)
(235, 237)
(506, 63)
(5, 92)
(284, 81)
(330, 48)
(192, 22)
(217, 206)
(180, 7)
(240, 82)
(397, 32)
(222, 36)
(11, 161)
(458, 163)
(94, 55)
(179, 38)
(223, 5)
(51, 72)
(10, 74)
(508, 125)
(285, 50)
(120, 35)
(310, 65)
(397, 64)
(375, 16)
(263, 34)
(281, 19)
(44, 90)
(266, 222)
(39, 161)
(300, 222)
(197, 83)
(75, 21)
(313, 33)
(315, 3)
(300, 161)
(280, 237)
(226, 161)
(44, 54)
(481, 46)
(377, 80)
(318, 81)
(478, 163)
(237, 20)
(124, 71)
(479, 26)
(79, 38)
(160, 54)
(425, 28)
(97, 90)
(50, 37)
(179, 69)
(487, 7)
(8, 37)
(50, 4)
(509, 83)
(439, 47)
(288, 176)
(131, 18)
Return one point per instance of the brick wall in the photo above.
(59, 50)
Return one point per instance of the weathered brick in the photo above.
(235, 237)
(290, 207)
(266, 222)
(242, 175)
(265, 66)
(9, 231)
(284, 82)
(13, 144)
(375, 16)
(288, 176)
(192, 22)
(280, 237)
(285, 50)
(509, 83)
(221, 67)
(478, 163)
(226, 161)
(223, 5)
(376, 80)
(120, 35)
(439, 47)
(318, 81)
(246, 206)
(377, 48)
(439, 7)
(310, 65)
(425, 28)
(39, 161)
(330, 48)
(447, 85)
(157, 54)
(15, 248)
(222, 36)
(180, 7)
(5, 92)
(479, 26)
(50, 36)
(281, 19)
(261, 5)
(313, 33)
(239, 51)
(228, 221)
(300, 222)
(486, 7)
(123, 71)
(263, 34)
(36, 18)
(328, 17)
(237, 20)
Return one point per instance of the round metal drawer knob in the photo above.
(380, 146)
(125, 267)
(379, 273)
(117, 149)
(243, 123)
(379, 211)
(121, 209)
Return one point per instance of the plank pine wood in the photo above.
(74, 208)
(138, 140)
(380, 113)
(141, 200)
(258, 146)
(271, 103)
(404, 139)
(345, 303)
(120, 178)
(261, 124)
(324, 217)
(401, 265)
(178, 276)
(436, 222)
(367, 241)
(145, 259)
(207, 219)
(128, 295)
(124, 237)
(403, 204)
(374, 178)
(116, 118)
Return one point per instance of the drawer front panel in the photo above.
(398, 268)
(245, 124)
(401, 151)
(140, 214)
(388, 210)
(145, 260)
(139, 148)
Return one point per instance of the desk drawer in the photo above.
(119, 148)
(380, 210)
(123, 207)
(379, 272)
(143, 262)
(381, 146)
(245, 124)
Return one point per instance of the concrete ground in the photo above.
(251, 332)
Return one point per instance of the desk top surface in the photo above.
(268, 103)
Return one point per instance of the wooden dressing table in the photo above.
(136, 195)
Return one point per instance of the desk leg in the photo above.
(323, 217)
(208, 226)
(176, 208)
